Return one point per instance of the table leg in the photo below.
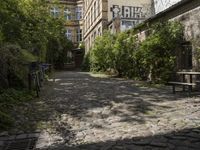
(190, 82)
(183, 80)
(190, 78)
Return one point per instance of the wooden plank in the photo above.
(188, 73)
(181, 83)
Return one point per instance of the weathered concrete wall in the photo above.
(191, 23)
(95, 24)
(128, 8)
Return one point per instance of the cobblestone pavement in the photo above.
(78, 111)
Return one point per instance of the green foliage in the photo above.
(114, 52)
(9, 99)
(153, 59)
(86, 62)
(57, 51)
(13, 65)
(125, 48)
(27, 56)
(101, 56)
(81, 45)
(157, 52)
(28, 33)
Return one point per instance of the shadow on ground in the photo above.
(187, 139)
(76, 108)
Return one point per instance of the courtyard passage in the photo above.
(81, 111)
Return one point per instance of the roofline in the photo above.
(171, 12)
(173, 7)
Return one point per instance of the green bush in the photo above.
(13, 62)
(124, 51)
(86, 62)
(9, 99)
(157, 52)
(102, 56)
(28, 33)
(153, 58)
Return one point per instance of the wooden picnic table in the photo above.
(184, 82)
(190, 73)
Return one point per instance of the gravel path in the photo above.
(80, 111)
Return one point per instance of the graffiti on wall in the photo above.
(127, 12)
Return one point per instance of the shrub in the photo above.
(101, 56)
(153, 59)
(124, 50)
(9, 99)
(13, 62)
(157, 52)
(86, 62)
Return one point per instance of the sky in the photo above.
(161, 5)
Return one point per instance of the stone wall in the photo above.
(191, 23)
(186, 12)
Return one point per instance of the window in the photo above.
(95, 34)
(67, 14)
(92, 39)
(89, 43)
(69, 34)
(99, 31)
(55, 12)
(86, 21)
(89, 19)
(79, 13)
(91, 13)
(95, 9)
(79, 35)
(186, 56)
(98, 7)
(127, 25)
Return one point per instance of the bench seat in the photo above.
(182, 83)
(189, 85)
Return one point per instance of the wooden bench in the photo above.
(189, 85)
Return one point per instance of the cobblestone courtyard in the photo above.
(78, 111)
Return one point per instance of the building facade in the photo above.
(116, 15)
(72, 12)
(187, 12)
(87, 19)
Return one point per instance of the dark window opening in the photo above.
(186, 56)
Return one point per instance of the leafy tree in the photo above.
(27, 34)
(27, 27)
